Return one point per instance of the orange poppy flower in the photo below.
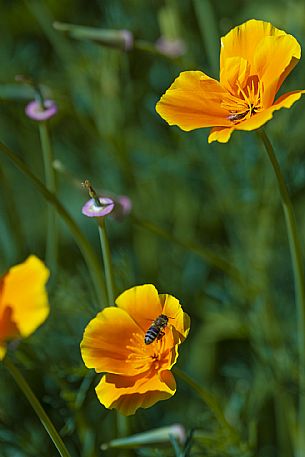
(137, 374)
(255, 59)
(23, 300)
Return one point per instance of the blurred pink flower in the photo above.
(128, 40)
(35, 111)
(171, 47)
(122, 208)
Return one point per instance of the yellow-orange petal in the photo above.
(220, 134)
(234, 74)
(2, 351)
(177, 318)
(193, 101)
(274, 58)
(127, 394)
(243, 40)
(142, 303)
(106, 344)
(24, 291)
(285, 101)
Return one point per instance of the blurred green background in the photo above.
(206, 226)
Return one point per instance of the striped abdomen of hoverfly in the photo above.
(155, 331)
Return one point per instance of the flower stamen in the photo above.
(247, 103)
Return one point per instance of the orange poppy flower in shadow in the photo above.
(23, 300)
(255, 59)
(137, 374)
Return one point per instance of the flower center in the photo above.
(146, 357)
(246, 102)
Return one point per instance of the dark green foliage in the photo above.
(207, 227)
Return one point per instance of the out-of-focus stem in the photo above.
(299, 285)
(82, 242)
(122, 422)
(209, 400)
(107, 260)
(11, 211)
(208, 27)
(37, 407)
(208, 255)
(52, 232)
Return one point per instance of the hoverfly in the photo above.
(155, 331)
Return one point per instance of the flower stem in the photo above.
(207, 255)
(122, 422)
(204, 10)
(107, 260)
(13, 217)
(82, 242)
(52, 232)
(299, 283)
(44, 418)
(208, 399)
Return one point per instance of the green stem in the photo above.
(208, 399)
(299, 283)
(107, 261)
(83, 244)
(122, 422)
(13, 217)
(52, 232)
(206, 254)
(37, 407)
(208, 27)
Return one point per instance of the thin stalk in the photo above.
(145, 46)
(52, 229)
(299, 283)
(208, 27)
(122, 422)
(11, 211)
(209, 400)
(107, 260)
(209, 256)
(82, 242)
(37, 407)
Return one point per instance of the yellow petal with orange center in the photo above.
(113, 342)
(142, 303)
(127, 394)
(222, 135)
(243, 40)
(177, 318)
(24, 291)
(259, 119)
(274, 58)
(193, 101)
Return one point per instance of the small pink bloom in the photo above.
(123, 206)
(170, 48)
(128, 41)
(35, 111)
(91, 209)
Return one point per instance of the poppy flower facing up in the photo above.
(137, 374)
(255, 59)
(23, 300)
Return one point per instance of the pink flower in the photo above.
(37, 112)
(91, 209)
